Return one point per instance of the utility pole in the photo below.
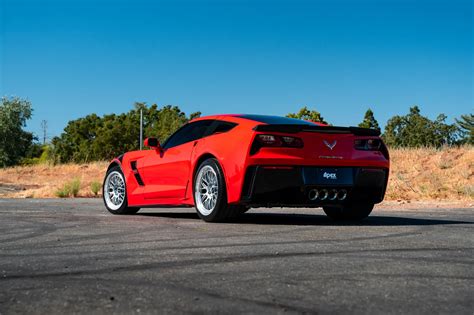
(44, 127)
(141, 128)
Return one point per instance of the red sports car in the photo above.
(226, 164)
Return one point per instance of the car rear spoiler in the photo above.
(320, 129)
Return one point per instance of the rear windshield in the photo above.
(276, 120)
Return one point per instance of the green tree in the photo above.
(94, 138)
(445, 134)
(194, 115)
(306, 114)
(14, 141)
(76, 142)
(415, 130)
(162, 122)
(369, 121)
(466, 124)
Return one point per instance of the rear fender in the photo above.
(198, 159)
(231, 157)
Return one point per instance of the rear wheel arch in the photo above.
(199, 161)
(221, 210)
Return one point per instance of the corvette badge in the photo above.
(330, 145)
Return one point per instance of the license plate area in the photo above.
(328, 176)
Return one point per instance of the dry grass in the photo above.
(43, 181)
(432, 174)
(416, 175)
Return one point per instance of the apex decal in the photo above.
(330, 175)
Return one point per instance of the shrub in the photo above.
(46, 155)
(95, 187)
(75, 186)
(37, 154)
(63, 192)
(29, 161)
(69, 189)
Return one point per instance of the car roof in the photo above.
(265, 119)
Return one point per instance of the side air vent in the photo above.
(133, 165)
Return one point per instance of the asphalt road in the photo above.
(71, 256)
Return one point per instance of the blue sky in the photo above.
(71, 58)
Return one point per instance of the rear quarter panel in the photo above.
(231, 150)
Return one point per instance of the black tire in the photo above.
(350, 212)
(222, 211)
(123, 208)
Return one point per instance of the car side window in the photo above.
(187, 133)
(222, 126)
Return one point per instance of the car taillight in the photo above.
(368, 144)
(275, 141)
(279, 141)
(269, 140)
(292, 142)
(372, 145)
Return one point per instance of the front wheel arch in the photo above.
(113, 164)
(123, 208)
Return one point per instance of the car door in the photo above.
(166, 172)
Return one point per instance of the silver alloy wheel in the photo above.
(206, 190)
(114, 190)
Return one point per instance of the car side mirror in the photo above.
(152, 143)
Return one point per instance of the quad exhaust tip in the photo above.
(341, 194)
(324, 194)
(313, 194)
